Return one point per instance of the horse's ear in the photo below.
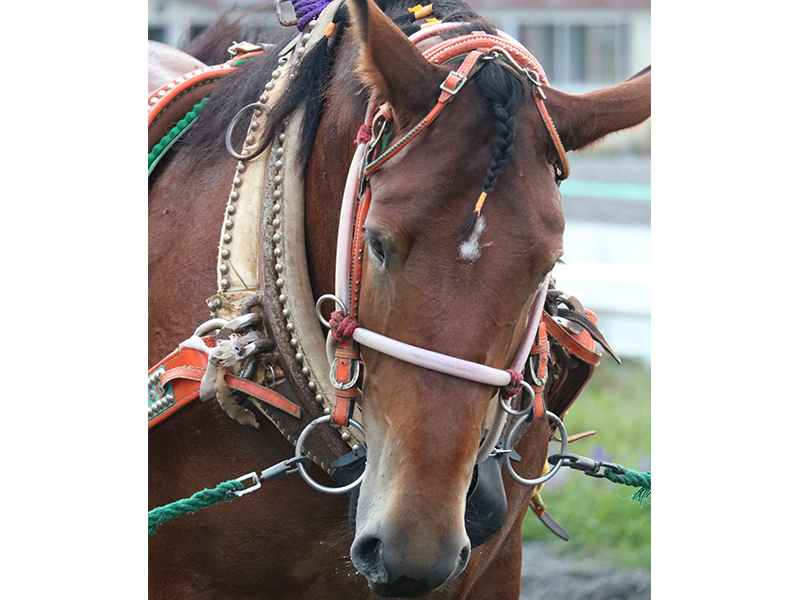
(391, 65)
(583, 119)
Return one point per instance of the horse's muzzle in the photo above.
(392, 574)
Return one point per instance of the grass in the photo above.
(598, 515)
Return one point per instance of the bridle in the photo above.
(346, 333)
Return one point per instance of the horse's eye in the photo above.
(376, 247)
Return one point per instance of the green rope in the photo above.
(182, 125)
(634, 479)
(222, 493)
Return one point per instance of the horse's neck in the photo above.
(326, 177)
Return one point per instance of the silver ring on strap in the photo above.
(298, 453)
(318, 307)
(210, 325)
(256, 106)
(507, 455)
(245, 320)
(522, 411)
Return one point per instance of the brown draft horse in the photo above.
(423, 428)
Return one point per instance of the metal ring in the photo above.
(209, 326)
(318, 308)
(298, 453)
(551, 472)
(511, 411)
(536, 381)
(279, 14)
(229, 145)
(246, 320)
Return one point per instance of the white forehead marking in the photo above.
(470, 250)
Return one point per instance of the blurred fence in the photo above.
(607, 247)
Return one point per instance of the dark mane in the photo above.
(307, 88)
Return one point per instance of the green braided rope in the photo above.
(634, 479)
(222, 493)
(179, 128)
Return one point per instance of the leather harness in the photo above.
(564, 357)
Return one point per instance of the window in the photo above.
(156, 33)
(573, 53)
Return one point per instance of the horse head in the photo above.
(465, 224)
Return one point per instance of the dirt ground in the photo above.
(547, 576)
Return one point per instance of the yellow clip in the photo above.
(429, 23)
(479, 204)
(415, 9)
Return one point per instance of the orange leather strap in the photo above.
(345, 396)
(184, 369)
(168, 92)
(347, 353)
(581, 346)
(517, 55)
(541, 349)
(450, 87)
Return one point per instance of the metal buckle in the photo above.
(461, 81)
(353, 379)
(537, 82)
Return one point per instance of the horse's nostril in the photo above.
(366, 555)
(464, 557)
